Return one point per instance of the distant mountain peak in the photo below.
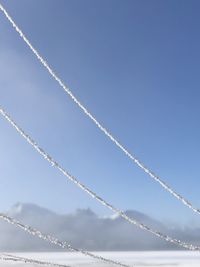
(21, 209)
(16, 209)
(82, 226)
(85, 212)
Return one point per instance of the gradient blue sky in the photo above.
(135, 65)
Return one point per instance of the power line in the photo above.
(32, 231)
(13, 258)
(54, 163)
(95, 121)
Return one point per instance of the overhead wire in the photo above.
(14, 258)
(131, 156)
(55, 241)
(82, 186)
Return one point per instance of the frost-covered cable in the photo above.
(96, 122)
(55, 241)
(13, 258)
(46, 156)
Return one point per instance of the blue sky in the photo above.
(135, 65)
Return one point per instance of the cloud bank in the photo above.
(84, 229)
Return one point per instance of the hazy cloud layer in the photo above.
(84, 229)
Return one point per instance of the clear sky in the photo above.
(135, 65)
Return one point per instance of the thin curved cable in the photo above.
(32, 231)
(13, 258)
(95, 121)
(46, 156)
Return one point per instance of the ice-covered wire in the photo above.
(46, 156)
(55, 241)
(13, 258)
(94, 119)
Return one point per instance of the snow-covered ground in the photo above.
(140, 259)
